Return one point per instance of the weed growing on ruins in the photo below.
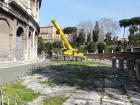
(76, 63)
(55, 101)
(48, 82)
(20, 92)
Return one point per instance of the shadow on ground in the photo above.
(83, 77)
(102, 79)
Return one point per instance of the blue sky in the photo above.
(71, 12)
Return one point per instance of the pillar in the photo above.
(13, 40)
(121, 64)
(27, 44)
(36, 40)
(33, 45)
(114, 62)
(138, 69)
(130, 63)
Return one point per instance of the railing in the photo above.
(9, 100)
(13, 74)
(16, 73)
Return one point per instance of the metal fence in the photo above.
(16, 73)
(8, 100)
(13, 74)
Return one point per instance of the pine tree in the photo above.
(96, 32)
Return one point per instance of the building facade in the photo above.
(49, 34)
(19, 29)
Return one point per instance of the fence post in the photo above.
(138, 69)
(121, 64)
(114, 62)
(8, 99)
(130, 66)
(2, 99)
(15, 102)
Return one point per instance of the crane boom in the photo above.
(69, 51)
(63, 36)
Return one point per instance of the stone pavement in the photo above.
(84, 86)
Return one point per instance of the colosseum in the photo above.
(19, 29)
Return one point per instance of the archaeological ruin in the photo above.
(19, 29)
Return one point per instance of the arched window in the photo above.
(19, 43)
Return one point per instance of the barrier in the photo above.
(9, 100)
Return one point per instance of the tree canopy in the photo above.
(128, 22)
(69, 30)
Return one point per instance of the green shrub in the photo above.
(91, 47)
(101, 47)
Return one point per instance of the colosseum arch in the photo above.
(19, 43)
(4, 39)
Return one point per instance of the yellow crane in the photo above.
(69, 53)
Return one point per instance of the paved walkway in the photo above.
(84, 86)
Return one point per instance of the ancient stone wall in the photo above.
(18, 30)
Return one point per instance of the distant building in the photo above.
(123, 39)
(19, 29)
(49, 34)
(101, 36)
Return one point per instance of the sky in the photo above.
(71, 12)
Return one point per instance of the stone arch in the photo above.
(19, 43)
(4, 39)
(20, 32)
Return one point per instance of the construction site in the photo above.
(57, 61)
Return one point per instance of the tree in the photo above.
(96, 32)
(49, 49)
(118, 48)
(133, 29)
(69, 30)
(89, 38)
(91, 47)
(87, 26)
(124, 23)
(100, 47)
(57, 45)
(108, 37)
(72, 32)
(41, 46)
(108, 25)
(81, 38)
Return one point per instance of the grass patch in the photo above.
(76, 63)
(55, 101)
(49, 82)
(85, 75)
(20, 92)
